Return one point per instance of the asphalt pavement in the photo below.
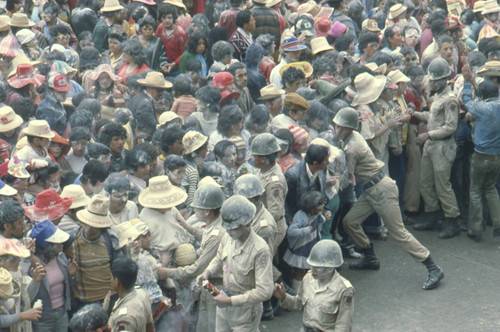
(392, 299)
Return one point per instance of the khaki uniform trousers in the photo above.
(245, 318)
(411, 191)
(383, 199)
(435, 171)
(207, 309)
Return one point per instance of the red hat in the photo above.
(323, 26)
(453, 23)
(25, 74)
(226, 95)
(48, 205)
(222, 80)
(58, 82)
(299, 136)
(61, 140)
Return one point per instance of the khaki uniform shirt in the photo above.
(131, 313)
(328, 308)
(370, 124)
(264, 225)
(247, 270)
(360, 159)
(442, 118)
(210, 240)
(275, 186)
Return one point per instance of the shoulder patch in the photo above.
(215, 232)
(275, 178)
(123, 311)
(263, 223)
(347, 283)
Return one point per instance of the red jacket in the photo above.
(174, 44)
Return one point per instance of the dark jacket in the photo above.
(51, 110)
(298, 184)
(266, 21)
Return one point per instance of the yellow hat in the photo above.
(320, 44)
(155, 79)
(396, 76)
(8, 287)
(270, 91)
(161, 194)
(306, 67)
(111, 6)
(193, 140)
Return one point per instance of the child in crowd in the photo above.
(226, 154)
(184, 104)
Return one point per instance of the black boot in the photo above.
(430, 222)
(435, 274)
(268, 312)
(368, 262)
(451, 229)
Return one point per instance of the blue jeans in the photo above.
(57, 322)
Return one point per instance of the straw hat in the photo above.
(155, 79)
(139, 225)
(6, 190)
(271, 3)
(9, 120)
(21, 20)
(193, 140)
(21, 58)
(13, 247)
(111, 6)
(4, 23)
(320, 44)
(368, 88)
(80, 199)
(17, 168)
(396, 76)
(62, 67)
(185, 254)
(38, 128)
(46, 232)
(396, 11)
(8, 287)
(478, 6)
(161, 194)
(490, 68)
(96, 213)
(104, 68)
(315, 10)
(25, 74)
(24, 36)
(176, 3)
(370, 25)
(270, 91)
(48, 205)
(490, 6)
(306, 67)
(332, 150)
(126, 232)
(167, 117)
(377, 69)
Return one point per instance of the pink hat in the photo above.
(299, 136)
(222, 80)
(323, 26)
(338, 29)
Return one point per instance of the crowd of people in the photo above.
(202, 165)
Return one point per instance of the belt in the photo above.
(373, 181)
(442, 139)
(216, 281)
(309, 329)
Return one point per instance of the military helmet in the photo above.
(248, 185)
(264, 145)
(347, 117)
(237, 211)
(325, 253)
(438, 69)
(208, 197)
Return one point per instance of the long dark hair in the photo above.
(193, 41)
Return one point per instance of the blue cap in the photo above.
(46, 232)
(292, 44)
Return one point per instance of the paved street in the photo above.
(391, 299)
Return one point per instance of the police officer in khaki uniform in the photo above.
(325, 296)
(381, 196)
(207, 203)
(439, 152)
(245, 261)
(132, 312)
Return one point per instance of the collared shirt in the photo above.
(312, 176)
(275, 186)
(360, 159)
(131, 313)
(264, 225)
(442, 118)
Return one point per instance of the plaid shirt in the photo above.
(266, 21)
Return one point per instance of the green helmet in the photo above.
(208, 196)
(264, 145)
(438, 69)
(325, 253)
(248, 185)
(237, 211)
(347, 117)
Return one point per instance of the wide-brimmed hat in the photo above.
(111, 6)
(166, 117)
(96, 213)
(176, 3)
(271, 3)
(490, 68)
(80, 199)
(304, 66)
(478, 6)
(17, 168)
(161, 194)
(9, 120)
(292, 44)
(155, 79)
(396, 10)
(61, 140)
(490, 6)
(9, 288)
(46, 232)
(193, 140)
(368, 88)
(6, 190)
(38, 128)
(315, 10)
(270, 91)
(396, 76)
(14, 248)
(320, 44)
(9, 46)
(21, 58)
(20, 20)
(377, 69)
(24, 36)
(58, 82)
(126, 232)
(4, 23)
(370, 25)
(48, 205)
(104, 68)
(330, 90)
(25, 74)
(225, 96)
(62, 67)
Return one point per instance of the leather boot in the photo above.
(451, 229)
(435, 274)
(368, 262)
(268, 312)
(430, 222)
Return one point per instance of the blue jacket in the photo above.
(486, 133)
(51, 110)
